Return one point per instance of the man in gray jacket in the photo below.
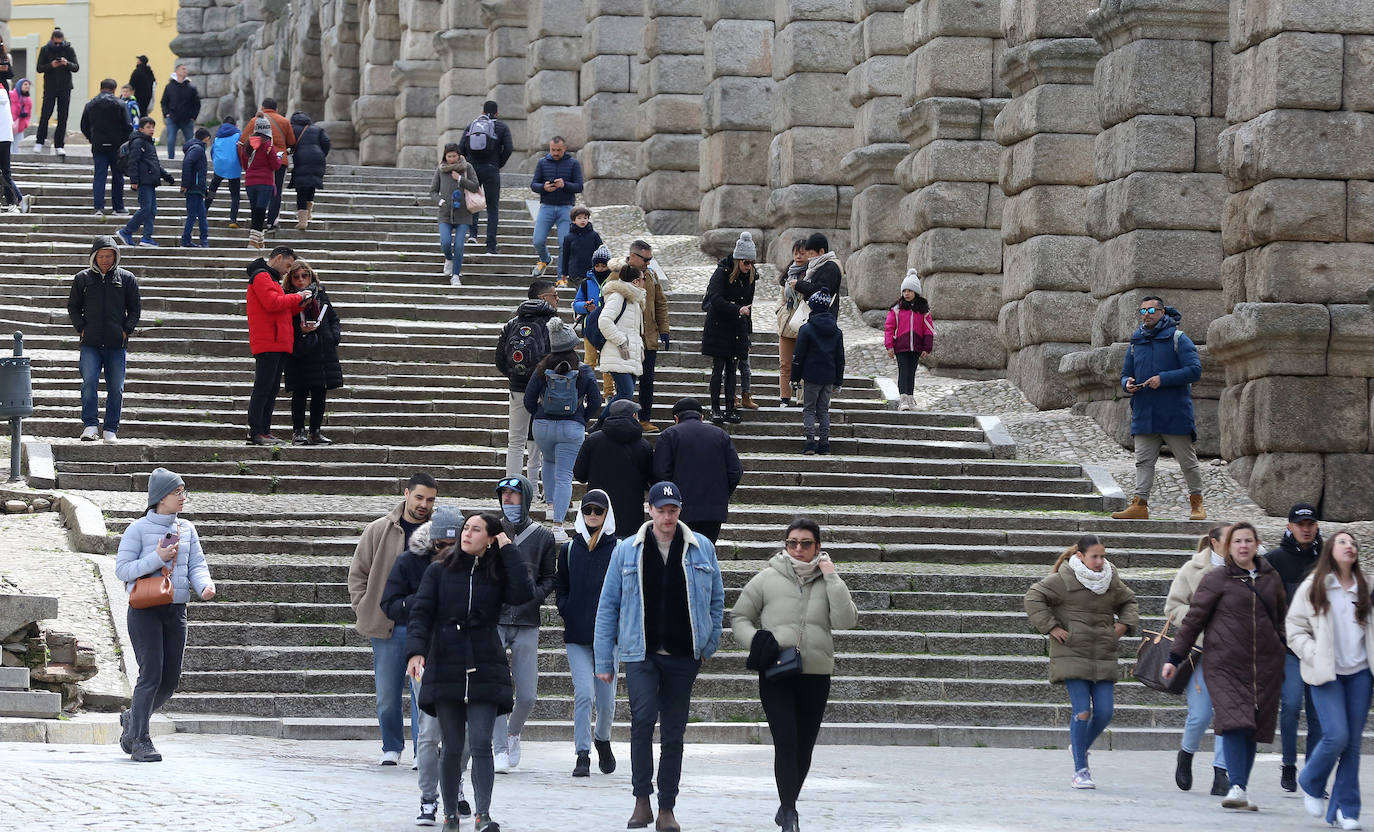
(519, 625)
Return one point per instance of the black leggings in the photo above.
(794, 708)
(472, 723)
(304, 196)
(298, 399)
(906, 372)
(726, 367)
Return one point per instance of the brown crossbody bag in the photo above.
(155, 590)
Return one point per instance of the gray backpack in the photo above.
(481, 132)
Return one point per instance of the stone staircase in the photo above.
(938, 528)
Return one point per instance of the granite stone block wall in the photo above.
(609, 94)
(672, 78)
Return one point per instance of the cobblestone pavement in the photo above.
(211, 783)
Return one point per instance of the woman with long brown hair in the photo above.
(1085, 608)
(725, 336)
(313, 366)
(1329, 629)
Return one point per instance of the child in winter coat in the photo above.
(260, 160)
(194, 173)
(818, 361)
(585, 302)
(126, 95)
(21, 107)
(225, 155)
(579, 246)
(909, 332)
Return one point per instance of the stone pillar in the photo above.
(506, 48)
(672, 79)
(217, 45)
(374, 112)
(339, 57)
(462, 86)
(813, 126)
(305, 88)
(552, 99)
(1047, 130)
(1298, 231)
(609, 83)
(736, 123)
(416, 78)
(1161, 96)
(875, 86)
(953, 211)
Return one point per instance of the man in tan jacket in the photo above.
(655, 329)
(381, 543)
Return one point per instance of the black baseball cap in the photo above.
(687, 405)
(1300, 512)
(665, 494)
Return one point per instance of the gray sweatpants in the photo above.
(427, 753)
(1147, 447)
(816, 406)
(523, 643)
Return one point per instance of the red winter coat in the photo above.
(908, 330)
(269, 311)
(263, 170)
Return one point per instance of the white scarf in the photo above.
(1095, 582)
(808, 570)
(815, 262)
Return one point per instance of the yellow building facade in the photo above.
(108, 36)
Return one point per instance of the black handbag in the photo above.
(787, 665)
(1153, 654)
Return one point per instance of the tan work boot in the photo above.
(649, 427)
(747, 401)
(302, 219)
(1198, 512)
(666, 822)
(1137, 510)
(642, 816)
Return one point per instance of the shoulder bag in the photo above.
(155, 590)
(1155, 647)
(790, 320)
(474, 201)
(788, 663)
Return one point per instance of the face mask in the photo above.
(513, 513)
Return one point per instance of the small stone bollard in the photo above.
(16, 506)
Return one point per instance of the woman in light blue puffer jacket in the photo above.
(159, 633)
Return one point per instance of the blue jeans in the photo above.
(174, 127)
(1240, 755)
(107, 163)
(559, 441)
(196, 214)
(1199, 718)
(587, 689)
(1342, 706)
(549, 216)
(93, 360)
(451, 239)
(624, 387)
(146, 213)
(1291, 700)
(1094, 702)
(660, 689)
(389, 668)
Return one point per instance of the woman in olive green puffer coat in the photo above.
(1085, 608)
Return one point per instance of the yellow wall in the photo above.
(115, 33)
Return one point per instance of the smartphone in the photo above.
(170, 539)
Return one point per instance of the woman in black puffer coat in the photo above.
(313, 366)
(307, 165)
(452, 640)
(726, 335)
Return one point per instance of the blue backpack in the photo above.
(560, 393)
(592, 330)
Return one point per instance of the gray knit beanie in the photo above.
(446, 523)
(161, 483)
(561, 336)
(744, 247)
(912, 282)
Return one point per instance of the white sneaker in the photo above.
(513, 742)
(502, 762)
(1347, 823)
(559, 537)
(1083, 779)
(62, 151)
(90, 434)
(906, 403)
(1315, 806)
(448, 267)
(1236, 799)
(109, 436)
(24, 205)
(389, 758)
(455, 280)
(37, 147)
(428, 814)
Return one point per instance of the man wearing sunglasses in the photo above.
(1161, 365)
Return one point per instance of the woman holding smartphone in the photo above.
(157, 540)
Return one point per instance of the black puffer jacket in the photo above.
(314, 361)
(1292, 561)
(180, 100)
(105, 121)
(406, 574)
(453, 620)
(104, 307)
(618, 460)
(312, 149)
(726, 333)
(145, 170)
(818, 357)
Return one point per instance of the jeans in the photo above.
(1291, 699)
(1147, 447)
(816, 407)
(646, 385)
(196, 214)
(517, 438)
(589, 690)
(1343, 707)
(316, 397)
(794, 708)
(468, 725)
(559, 440)
(549, 217)
(489, 176)
(274, 210)
(1091, 704)
(146, 213)
(907, 362)
(62, 100)
(389, 670)
(1240, 755)
(427, 742)
(660, 689)
(451, 239)
(159, 638)
(106, 161)
(110, 360)
(266, 383)
(746, 375)
(235, 194)
(1199, 717)
(624, 388)
(523, 643)
(185, 127)
(259, 201)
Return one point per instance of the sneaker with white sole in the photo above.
(429, 814)
(1347, 823)
(90, 434)
(1083, 779)
(1236, 799)
(37, 147)
(24, 205)
(389, 758)
(455, 280)
(559, 535)
(513, 742)
(502, 763)
(109, 436)
(62, 151)
(1315, 806)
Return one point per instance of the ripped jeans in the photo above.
(1091, 704)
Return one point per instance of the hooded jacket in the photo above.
(538, 555)
(818, 357)
(624, 348)
(726, 332)
(269, 310)
(1154, 352)
(105, 122)
(579, 244)
(145, 170)
(377, 550)
(104, 307)
(619, 461)
(398, 595)
(1293, 562)
(21, 106)
(138, 557)
(801, 614)
(260, 161)
(701, 459)
(283, 136)
(1090, 653)
(225, 153)
(180, 100)
(195, 167)
(312, 151)
(581, 574)
(57, 78)
(1184, 585)
(451, 211)
(548, 169)
(535, 313)
(588, 396)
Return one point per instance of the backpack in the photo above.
(527, 342)
(481, 132)
(560, 396)
(592, 327)
(125, 157)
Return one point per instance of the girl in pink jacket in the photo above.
(910, 331)
(21, 106)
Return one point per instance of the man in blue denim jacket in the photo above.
(671, 572)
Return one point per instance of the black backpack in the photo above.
(592, 327)
(125, 156)
(527, 342)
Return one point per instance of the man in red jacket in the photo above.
(270, 337)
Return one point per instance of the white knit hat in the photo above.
(744, 247)
(912, 281)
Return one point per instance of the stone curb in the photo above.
(1003, 446)
(40, 471)
(82, 729)
(85, 523)
(1106, 485)
(117, 602)
(887, 386)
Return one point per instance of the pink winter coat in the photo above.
(908, 330)
(21, 110)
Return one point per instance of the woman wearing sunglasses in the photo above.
(797, 601)
(582, 564)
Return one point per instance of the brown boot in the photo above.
(1137, 510)
(748, 402)
(1198, 512)
(642, 816)
(649, 427)
(666, 822)
(302, 219)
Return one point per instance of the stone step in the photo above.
(14, 678)
(35, 704)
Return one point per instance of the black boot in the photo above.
(790, 821)
(126, 742)
(583, 766)
(605, 758)
(1183, 772)
(1221, 782)
(1288, 778)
